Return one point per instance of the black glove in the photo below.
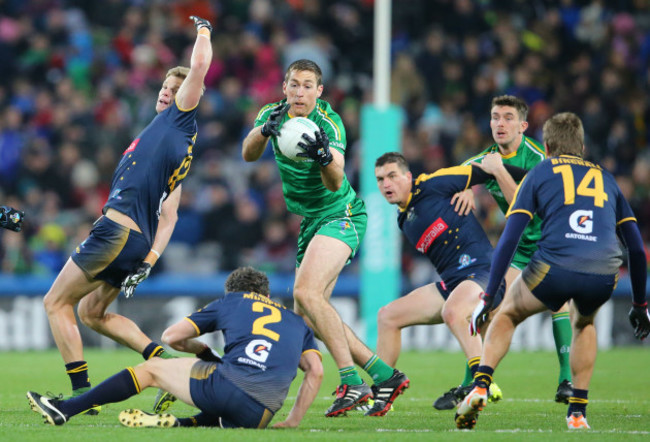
(640, 320)
(208, 355)
(131, 282)
(317, 149)
(11, 218)
(481, 313)
(201, 23)
(272, 125)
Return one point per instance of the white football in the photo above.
(291, 134)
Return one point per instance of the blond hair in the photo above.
(181, 72)
(564, 135)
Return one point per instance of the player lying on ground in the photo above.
(578, 259)
(265, 344)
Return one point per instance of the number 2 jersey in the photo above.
(581, 206)
(264, 342)
(152, 166)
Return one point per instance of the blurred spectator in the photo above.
(77, 80)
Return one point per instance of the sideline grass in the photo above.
(619, 406)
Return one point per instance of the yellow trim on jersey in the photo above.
(535, 146)
(264, 109)
(135, 379)
(514, 197)
(198, 332)
(624, 220)
(508, 156)
(408, 201)
(184, 110)
(314, 350)
(510, 212)
(323, 113)
(446, 171)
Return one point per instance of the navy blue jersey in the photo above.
(452, 242)
(264, 343)
(581, 206)
(152, 166)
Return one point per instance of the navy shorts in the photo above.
(111, 252)
(554, 286)
(478, 274)
(217, 396)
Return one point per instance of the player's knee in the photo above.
(449, 315)
(90, 317)
(305, 299)
(385, 318)
(52, 302)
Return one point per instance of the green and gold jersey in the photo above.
(529, 153)
(303, 188)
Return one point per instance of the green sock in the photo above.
(562, 335)
(166, 355)
(378, 370)
(470, 369)
(350, 376)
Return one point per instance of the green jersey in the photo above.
(529, 153)
(303, 188)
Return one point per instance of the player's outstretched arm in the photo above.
(311, 364)
(191, 89)
(180, 336)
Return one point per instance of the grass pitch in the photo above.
(619, 406)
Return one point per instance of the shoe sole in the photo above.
(134, 418)
(399, 390)
(468, 421)
(342, 411)
(35, 406)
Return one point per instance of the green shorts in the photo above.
(520, 260)
(349, 226)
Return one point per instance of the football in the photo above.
(291, 134)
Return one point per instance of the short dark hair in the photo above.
(247, 279)
(305, 65)
(393, 157)
(564, 134)
(510, 100)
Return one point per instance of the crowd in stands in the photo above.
(79, 79)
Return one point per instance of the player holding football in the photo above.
(138, 220)
(508, 123)
(577, 259)
(330, 233)
(265, 345)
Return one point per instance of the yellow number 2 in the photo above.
(273, 317)
(595, 176)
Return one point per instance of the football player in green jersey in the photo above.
(508, 123)
(333, 225)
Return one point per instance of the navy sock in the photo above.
(199, 420)
(117, 388)
(152, 350)
(78, 372)
(578, 402)
(483, 376)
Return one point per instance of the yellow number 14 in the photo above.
(585, 188)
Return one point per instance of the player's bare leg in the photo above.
(456, 310)
(421, 306)
(69, 287)
(518, 304)
(323, 261)
(92, 312)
